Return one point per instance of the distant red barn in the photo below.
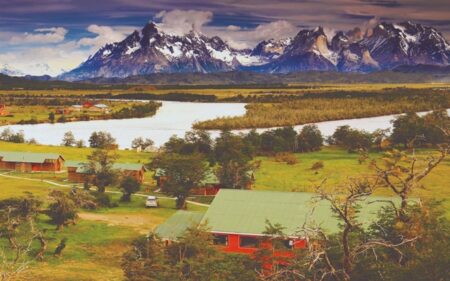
(3, 110)
(77, 171)
(31, 162)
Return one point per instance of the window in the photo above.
(220, 239)
(283, 244)
(248, 242)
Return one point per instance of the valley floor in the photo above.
(98, 240)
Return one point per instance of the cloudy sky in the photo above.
(52, 36)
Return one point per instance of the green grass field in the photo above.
(97, 241)
(339, 167)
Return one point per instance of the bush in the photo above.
(287, 158)
(104, 200)
(317, 166)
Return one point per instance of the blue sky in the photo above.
(51, 36)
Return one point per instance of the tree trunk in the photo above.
(347, 263)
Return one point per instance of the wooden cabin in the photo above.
(31, 162)
(237, 220)
(78, 172)
(3, 110)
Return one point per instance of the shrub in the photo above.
(288, 158)
(317, 166)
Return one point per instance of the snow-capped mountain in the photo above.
(153, 51)
(10, 71)
(150, 50)
(384, 47)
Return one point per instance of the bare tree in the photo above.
(352, 241)
(403, 173)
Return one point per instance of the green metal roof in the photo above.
(246, 212)
(74, 164)
(176, 225)
(28, 157)
(81, 166)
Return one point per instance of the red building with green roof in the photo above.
(78, 172)
(31, 162)
(238, 220)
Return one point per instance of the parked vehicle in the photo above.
(151, 202)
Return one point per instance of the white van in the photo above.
(151, 202)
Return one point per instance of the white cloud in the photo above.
(180, 22)
(52, 60)
(105, 35)
(41, 36)
(247, 38)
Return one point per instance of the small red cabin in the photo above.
(77, 171)
(88, 104)
(3, 110)
(31, 162)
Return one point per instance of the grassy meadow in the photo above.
(229, 92)
(97, 241)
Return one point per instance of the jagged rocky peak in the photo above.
(271, 48)
(385, 46)
(339, 41)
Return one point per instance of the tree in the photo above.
(408, 130)
(19, 228)
(51, 117)
(100, 169)
(141, 144)
(196, 141)
(68, 139)
(129, 185)
(400, 172)
(79, 143)
(310, 139)
(352, 139)
(427, 258)
(192, 258)
(182, 173)
(230, 147)
(279, 140)
(101, 140)
(62, 210)
(336, 257)
(234, 156)
(237, 175)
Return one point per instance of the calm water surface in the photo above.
(173, 118)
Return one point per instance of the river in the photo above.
(173, 118)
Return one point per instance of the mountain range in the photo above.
(386, 46)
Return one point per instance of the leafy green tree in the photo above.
(408, 129)
(129, 186)
(237, 175)
(140, 143)
(100, 169)
(62, 210)
(310, 139)
(101, 140)
(68, 139)
(279, 140)
(234, 158)
(352, 139)
(51, 117)
(182, 173)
